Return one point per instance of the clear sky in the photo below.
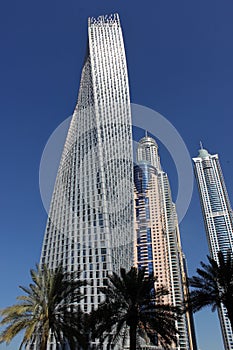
(180, 62)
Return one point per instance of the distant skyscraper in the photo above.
(158, 246)
(217, 214)
(90, 222)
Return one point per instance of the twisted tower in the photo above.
(90, 222)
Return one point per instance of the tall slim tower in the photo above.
(90, 223)
(217, 214)
(158, 246)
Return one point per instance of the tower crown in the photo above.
(147, 140)
(148, 152)
(203, 153)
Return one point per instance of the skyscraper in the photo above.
(158, 247)
(90, 222)
(217, 214)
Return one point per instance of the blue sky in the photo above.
(180, 62)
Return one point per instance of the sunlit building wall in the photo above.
(217, 214)
(157, 238)
(90, 222)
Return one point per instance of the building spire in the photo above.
(146, 133)
(201, 145)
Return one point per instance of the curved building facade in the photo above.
(90, 223)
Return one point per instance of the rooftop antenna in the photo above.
(146, 134)
(201, 145)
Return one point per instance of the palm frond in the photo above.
(132, 301)
(213, 284)
(47, 308)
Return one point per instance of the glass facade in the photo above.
(158, 247)
(90, 223)
(217, 214)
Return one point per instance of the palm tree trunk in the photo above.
(44, 342)
(133, 336)
(230, 315)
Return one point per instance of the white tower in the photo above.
(217, 214)
(90, 223)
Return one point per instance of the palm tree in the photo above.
(214, 285)
(132, 304)
(48, 308)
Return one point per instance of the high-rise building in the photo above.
(90, 222)
(217, 214)
(158, 247)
